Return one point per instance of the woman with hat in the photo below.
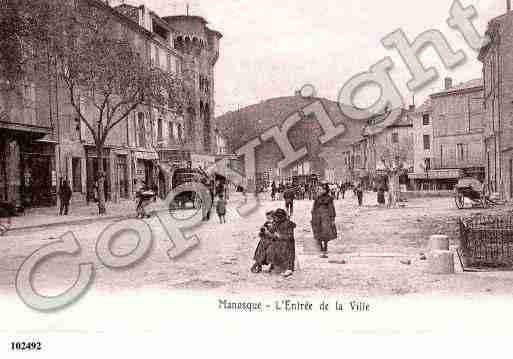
(323, 220)
(282, 251)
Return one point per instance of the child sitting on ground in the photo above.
(261, 252)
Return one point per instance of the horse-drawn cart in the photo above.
(473, 190)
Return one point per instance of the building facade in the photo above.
(449, 136)
(422, 120)
(40, 133)
(498, 81)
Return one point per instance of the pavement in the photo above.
(80, 214)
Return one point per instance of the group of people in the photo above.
(276, 246)
(302, 191)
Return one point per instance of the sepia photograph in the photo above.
(223, 176)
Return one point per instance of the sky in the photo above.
(272, 48)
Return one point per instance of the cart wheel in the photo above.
(459, 200)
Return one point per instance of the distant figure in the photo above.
(221, 208)
(381, 195)
(359, 193)
(273, 191)
(65, 197)
(342, 189)
(289, 196)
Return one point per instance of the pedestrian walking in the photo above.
(323, 220)
(273, 191)
(381, 195)
(221, 208)
(144, 197)
(342, 190)
(289, 196)
(359, 193)
(65, 197)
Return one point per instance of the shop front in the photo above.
(436, 179)
(27, 166)
(145, 169)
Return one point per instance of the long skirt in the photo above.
(282, 254)
(261, 256)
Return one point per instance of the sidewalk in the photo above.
(81, 213)
(78, 213)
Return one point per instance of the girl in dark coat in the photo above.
(381, 195)
(261, 256)
(323, 220)
(282, 251)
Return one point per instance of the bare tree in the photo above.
(98, 62)
(395, 158)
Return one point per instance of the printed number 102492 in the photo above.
(26, 346)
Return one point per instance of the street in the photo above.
(373, 242)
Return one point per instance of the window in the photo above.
(395, 137)
(153, 55)
(427, 163)
(461, 151)
(159, 130)
(180, 132)
(76, 168)
(170, 135)
(142, 129)
(425, 119)
(427, 142)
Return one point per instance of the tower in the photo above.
(200, 48)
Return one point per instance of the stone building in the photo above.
(325, 157)
(496, 57)
(393, 128)
(454, 117)
(28, 168)
(40, 133)
(422, 147)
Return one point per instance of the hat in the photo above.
(280, 214)
(270, 213)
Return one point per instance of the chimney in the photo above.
(508, 5)
(448, 83)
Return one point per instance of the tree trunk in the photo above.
(101, 181)
(393, 189)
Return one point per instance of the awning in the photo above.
(35, 131)
(148, 156)
(437, 174)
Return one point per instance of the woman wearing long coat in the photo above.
(282, 251)
(323, 220)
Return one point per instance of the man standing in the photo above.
(65, 197)
(359, 193)
(288, 196)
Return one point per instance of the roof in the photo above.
(471, 84)
(394, 118)
(493, 26)
(425, 107)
